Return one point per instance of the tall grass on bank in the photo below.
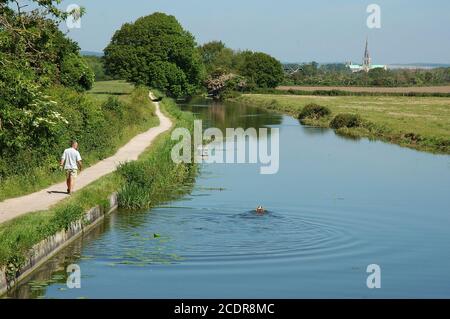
(150, 180)
(156, 178)
(102, 121)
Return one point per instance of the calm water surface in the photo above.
(335, 206)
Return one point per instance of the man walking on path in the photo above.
(71, 160)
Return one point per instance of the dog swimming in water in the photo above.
(260, 210)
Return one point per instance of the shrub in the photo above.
(314, 111)
(345, 120)
(113, 104)
(75, 73)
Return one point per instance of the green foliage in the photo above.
(216, 55)
(261, 69)
(35, 58)
(156, 51)
(21, 235)
(33, 138)
(231, 72)
(64, 217)
(96, 64)
(222, 85)
(34, 43)
(27, 115)
(314, 111)
(113, 104)
(346, 120)
(76, 73)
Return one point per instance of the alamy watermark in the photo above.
(374, 279)
(238, 146)
(73, 20)
(374, 18)
(74, 278)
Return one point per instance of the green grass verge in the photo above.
(422, 123)
(137, 115)
(162, 180)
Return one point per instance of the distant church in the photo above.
(367, 62)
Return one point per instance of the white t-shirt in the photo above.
(71, 156)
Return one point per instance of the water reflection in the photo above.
(230, 115)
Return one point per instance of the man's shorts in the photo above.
(72, 173)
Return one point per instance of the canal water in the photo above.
(336, 206)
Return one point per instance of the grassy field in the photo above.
(418, 122)
(135, 101)
(414, 89)
(158, 178)
(104, 89)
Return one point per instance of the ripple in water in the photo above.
(210, 235)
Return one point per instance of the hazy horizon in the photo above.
(291, 31)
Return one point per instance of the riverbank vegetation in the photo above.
(158, 179)
(101, 120)
(421, 123)
(45, 100)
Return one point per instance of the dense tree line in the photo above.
(156, 51)
(340, 75)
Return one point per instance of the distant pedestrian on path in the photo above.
(71, 161)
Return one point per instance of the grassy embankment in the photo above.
(153, 179)
(422, 123)
(102, 120)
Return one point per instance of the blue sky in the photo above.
(290, 30)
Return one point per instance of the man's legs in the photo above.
(70, 181)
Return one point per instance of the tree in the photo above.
(210, 50)
(261, 69)
(156, 51)
(216, 55)
(34, 39)
(221, 85)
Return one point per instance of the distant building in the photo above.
(367, 65)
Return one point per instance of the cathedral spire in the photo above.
(367, 61)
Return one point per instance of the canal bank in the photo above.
(419, 123)
(12, 274)
(28, 241)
